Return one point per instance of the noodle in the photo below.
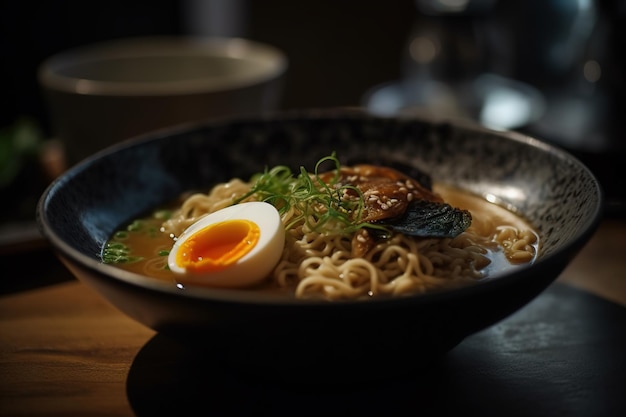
(197, 205)
(320, 264)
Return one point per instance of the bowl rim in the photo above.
(248, 297)
(272, 64)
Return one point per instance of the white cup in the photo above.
(107, 92)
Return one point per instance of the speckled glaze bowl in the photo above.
(80, 210)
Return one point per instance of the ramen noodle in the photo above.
(320, 262)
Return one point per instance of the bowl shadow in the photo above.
(170, 377)
(541, 361)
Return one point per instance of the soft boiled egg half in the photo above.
(237, 246)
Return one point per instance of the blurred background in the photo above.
(551, 68)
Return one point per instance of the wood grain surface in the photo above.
(65, 352)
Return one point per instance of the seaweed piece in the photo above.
(431, 219)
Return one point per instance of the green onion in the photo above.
(120, 235)
(118, 253)
(135, 226)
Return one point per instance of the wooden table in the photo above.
(66, 352)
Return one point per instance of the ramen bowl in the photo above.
(267, 331)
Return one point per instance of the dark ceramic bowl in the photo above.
(80, 211)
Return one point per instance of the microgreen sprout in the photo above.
(314, 201)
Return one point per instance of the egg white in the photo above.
(251, 268)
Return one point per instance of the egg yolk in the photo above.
(218, 246)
